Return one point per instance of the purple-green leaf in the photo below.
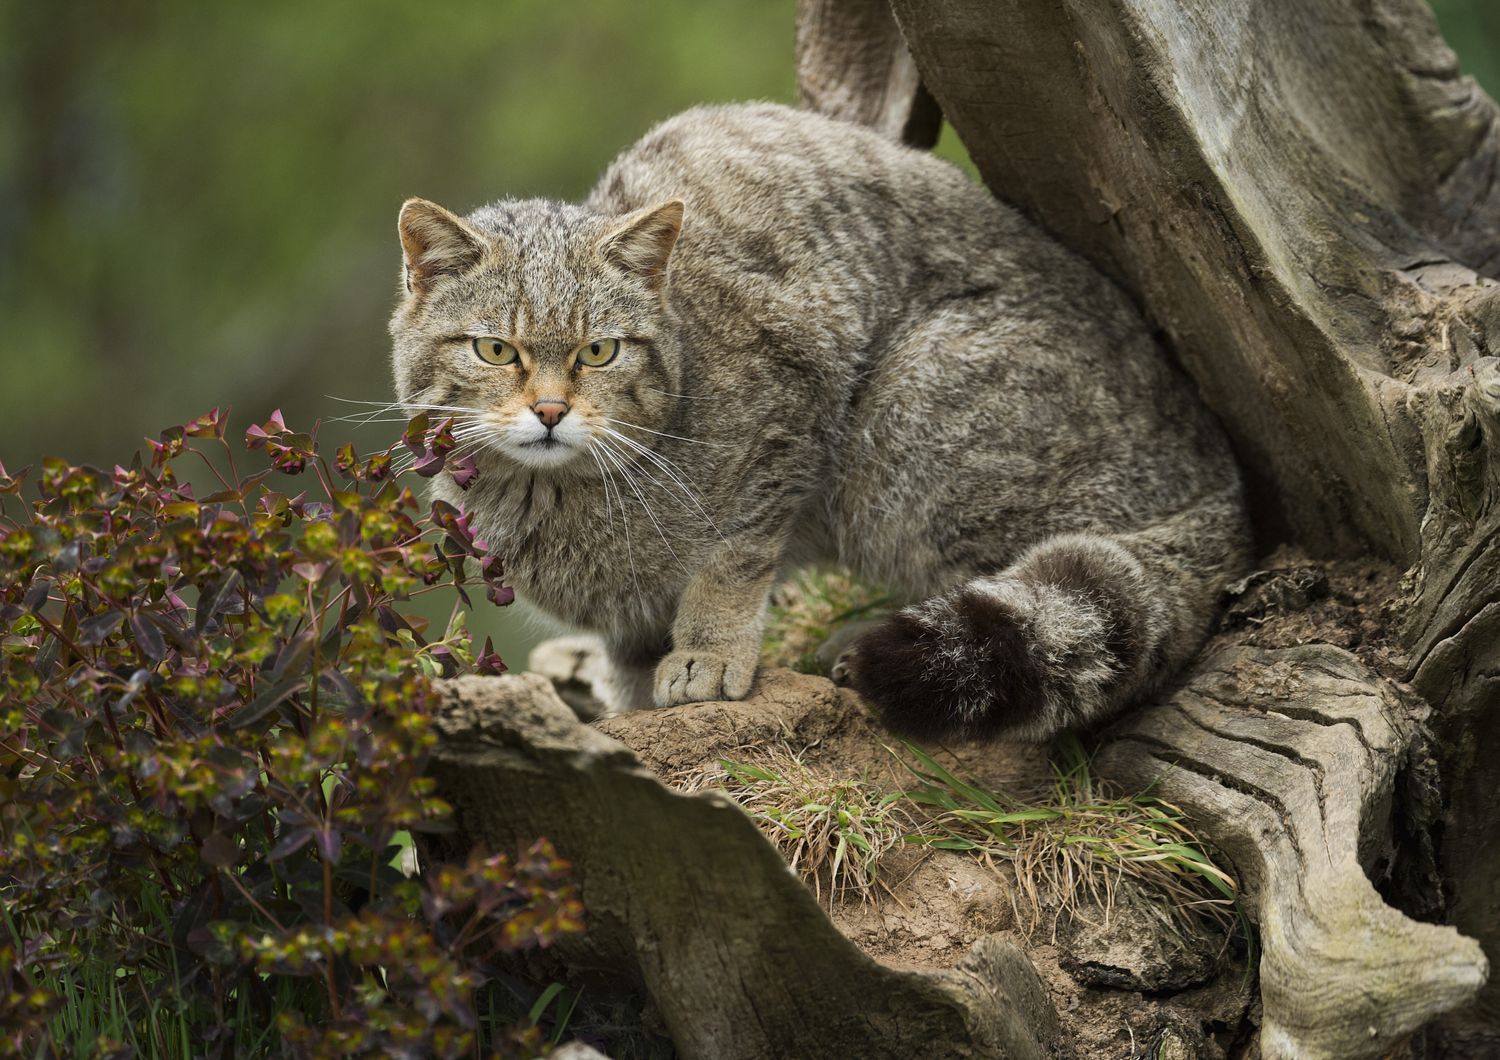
(94, 629)
(148, 637)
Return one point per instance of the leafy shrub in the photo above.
(215, 716)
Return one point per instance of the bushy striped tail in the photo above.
(1067, 636)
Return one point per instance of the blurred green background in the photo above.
(198, 200)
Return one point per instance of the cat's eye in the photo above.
(598, 354)
(496, 351)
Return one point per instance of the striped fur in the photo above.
(835, 349)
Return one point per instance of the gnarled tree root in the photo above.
(1285, 759)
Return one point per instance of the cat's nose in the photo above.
(550, 411)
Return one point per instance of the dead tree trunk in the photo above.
(1304, 196)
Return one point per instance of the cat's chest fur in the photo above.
(572, 547)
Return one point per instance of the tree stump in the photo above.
(1303, 198)
(1302, 195)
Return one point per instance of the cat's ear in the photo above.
(435, 242)
(640, 242)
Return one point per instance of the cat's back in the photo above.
(778, 180)
(781, 200)
(821, 229)
(771, 155)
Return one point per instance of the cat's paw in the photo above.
(841, 672)
(835, 653)
(702, 676)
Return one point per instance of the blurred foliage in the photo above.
(1472, 27)
(198, 201)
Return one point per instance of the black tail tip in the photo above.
(962, 669)
(888, 668)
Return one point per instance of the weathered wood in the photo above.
(1453, 626)
(689, 903)
(1286, 759)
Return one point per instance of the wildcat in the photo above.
(770, 338)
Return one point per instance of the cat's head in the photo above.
(539, 326)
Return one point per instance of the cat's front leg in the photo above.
(629, 671)
(716, 638)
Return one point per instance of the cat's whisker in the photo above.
(609, 508)
(391, 406)
(644, 471)
(659, 458)
(644, 474)
(621, 461)
(362, 420)
(377, 408)
(380, 412)
(609, 480)
(623, 465)
(470, 444)
(671, 470)
(362, 401)
(664, 434)
(374, 416)
(662, 458)
(470, 434)
(674, 476)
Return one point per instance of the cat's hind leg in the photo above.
(1079, 626)
(628, 672)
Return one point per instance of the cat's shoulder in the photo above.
(757, 126)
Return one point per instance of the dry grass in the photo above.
(832, 832)
(807, 608)
(1074, 843)
(1068, 847)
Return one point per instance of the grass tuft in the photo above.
(1068, 847)
(808, 608)
(1073, 843)
(832, 832)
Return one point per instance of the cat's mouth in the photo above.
(547, 451)
(527, 440)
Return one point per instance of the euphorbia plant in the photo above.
(215, 715)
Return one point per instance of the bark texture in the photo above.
(1286, 758)
(853, 63)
